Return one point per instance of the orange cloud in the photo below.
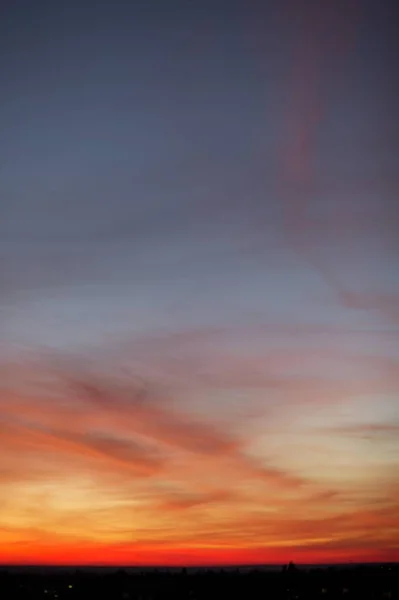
(99, 465)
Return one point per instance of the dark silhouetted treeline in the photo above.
(361, 582)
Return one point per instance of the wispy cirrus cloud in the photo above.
(133, 414)
(369, 430)
(126, 453)
(322, 38)
(123, 419)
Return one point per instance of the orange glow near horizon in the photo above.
(186, 557)
(103, 469)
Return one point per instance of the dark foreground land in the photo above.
(361, 582)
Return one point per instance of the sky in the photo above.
(199, 283)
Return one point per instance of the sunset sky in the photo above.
(199, 282)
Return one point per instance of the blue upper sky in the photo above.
(148, 166)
